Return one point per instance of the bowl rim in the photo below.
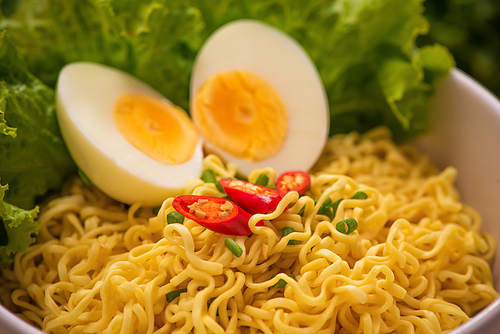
(490, 315)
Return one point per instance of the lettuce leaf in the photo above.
(156, 41)
(18, 229)
(364, 49)
(33, 156)
(365, 53)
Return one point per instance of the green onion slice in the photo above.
(281, 283)
(174, 294)
(233, 246)
(286, 231)
(335, 206)
(329, 209)
(347, 226)
(262, 180)
(326, 208)
(175, 217)
(156, 210)
(208, 176)
(359, 195)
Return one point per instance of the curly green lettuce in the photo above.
(365, 50)
(18, 229)
(33, 156)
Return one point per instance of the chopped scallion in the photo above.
(174, 294)
(335, 206)
(326, 208)
(359, 195)
(262, 180)
(233, 247)
(286, 231)
(175, 217)
(281, 283)
(347, 226)
(329, 209)
(208, 176)
(156, 210)
(301, 211)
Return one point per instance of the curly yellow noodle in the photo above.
(417, 263)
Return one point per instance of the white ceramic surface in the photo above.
(465, 134)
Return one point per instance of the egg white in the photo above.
(277, 58)
(86, 95)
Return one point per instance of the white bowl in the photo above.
(465, 134)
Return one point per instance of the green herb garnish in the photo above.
(335, 206)
(208, 176)
(330, 209)
(326, 208)
(174, 294)
(262, 180)
(233, 247)
(175, 217)
(281, 283)
(286, 231)
(347, 226)
(359, 195)
(156, 210)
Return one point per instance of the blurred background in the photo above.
(471, 30)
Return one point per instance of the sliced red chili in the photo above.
(293, 180)
(214, 213)
(251, 197)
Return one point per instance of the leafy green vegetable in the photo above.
(364, 50)
(355, 45)
(156, 41)
(33, 156)
(17, 229)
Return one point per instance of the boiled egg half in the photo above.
(258, 100)
(129, 140)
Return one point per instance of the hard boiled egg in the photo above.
(127, 138)
(257, 99)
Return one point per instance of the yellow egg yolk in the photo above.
(162, 131)
(241, 114)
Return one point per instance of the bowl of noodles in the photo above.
(259, 167)
(422, 258)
